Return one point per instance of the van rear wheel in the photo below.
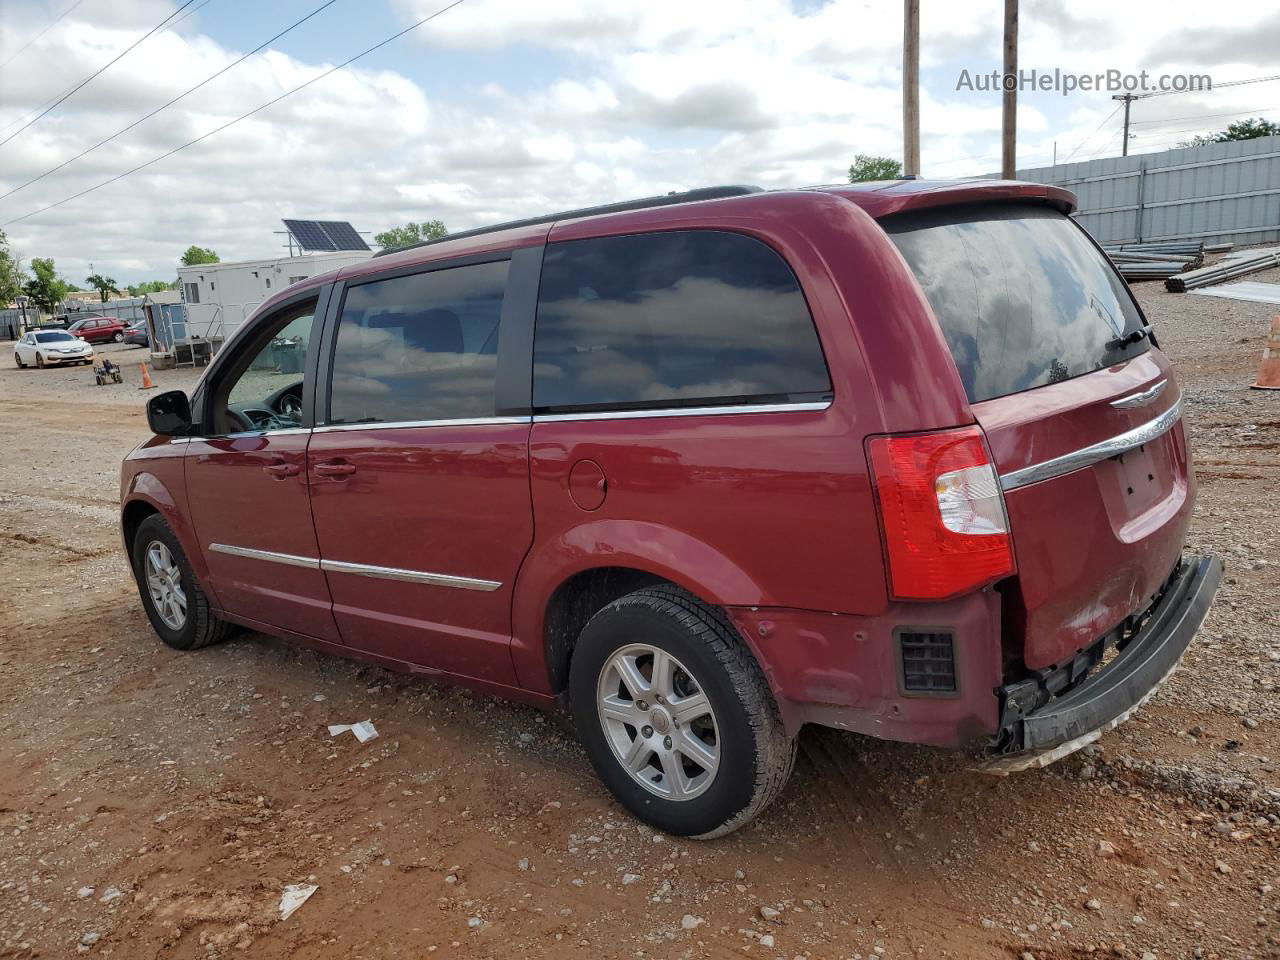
(675, 714)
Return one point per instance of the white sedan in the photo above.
(46, 347)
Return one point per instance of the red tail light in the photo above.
(943, 512)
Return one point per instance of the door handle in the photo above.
(338, 469)
(282, 470)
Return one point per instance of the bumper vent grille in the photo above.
(928, 663)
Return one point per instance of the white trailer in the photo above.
(220, 296)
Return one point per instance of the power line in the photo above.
(244, 116)
(1162, 131)
(49, 26)
(12, 123)
(1216, 86)
(996, 156)
(1106, 143)
(1092, 135)
(96, 73)
(190, 90)
(1205, 116)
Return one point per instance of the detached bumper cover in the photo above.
(1041, 732)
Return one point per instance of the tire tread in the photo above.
(209, 628)
(775, 751)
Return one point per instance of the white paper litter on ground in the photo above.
(364, 730)
(295, 895)
(1253, 291)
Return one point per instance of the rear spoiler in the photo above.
(903, 196)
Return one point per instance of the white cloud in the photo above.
(631, 98)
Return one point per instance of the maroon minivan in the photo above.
(900, 458)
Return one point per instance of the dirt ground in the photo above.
(156, 804)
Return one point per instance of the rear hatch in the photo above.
(1081, 412)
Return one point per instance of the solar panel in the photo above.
(309, 235)
(343, 235)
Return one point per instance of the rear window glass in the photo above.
(1023, 298)
(681, 318)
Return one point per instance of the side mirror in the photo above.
(169, 414)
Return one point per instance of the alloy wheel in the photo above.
(659, 722)
(164, 584)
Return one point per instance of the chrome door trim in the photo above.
(409, 424)
(409, 576)
(359, 569)
(282, 432)
(271, 556)
(1087, 456)
(1140, 398)
(736, 409)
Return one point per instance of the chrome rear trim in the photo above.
(1087, 456)
(271, 556)
(409, 576)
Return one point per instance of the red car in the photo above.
(98, 329)
(899, 458)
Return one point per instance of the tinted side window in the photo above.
(422, 347)
(683, 318)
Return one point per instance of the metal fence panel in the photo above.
(1218, 192)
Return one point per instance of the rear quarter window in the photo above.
(680, 318)
(1023, 297)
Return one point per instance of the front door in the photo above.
(420, 493)
(247, 479)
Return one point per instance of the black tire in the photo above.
(39, 361)
(119, 337)
(200, 628)
(18, 360)
(755, 753)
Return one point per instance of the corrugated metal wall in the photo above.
(1222, 191)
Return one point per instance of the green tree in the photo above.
(10, 273)
(150, 286)
(46, 289)
(867, 167)
(195, 255)
(410, 234)
(104, 285)
(1249, 129)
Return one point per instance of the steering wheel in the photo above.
(291, 407)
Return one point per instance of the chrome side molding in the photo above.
(409, 576)
(1087, 456)
(288, 559)
(1143, 396)
(359, 569)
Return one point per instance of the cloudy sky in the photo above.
(505, 108)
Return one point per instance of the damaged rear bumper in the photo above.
(1038, 728)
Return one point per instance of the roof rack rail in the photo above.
(687, 196)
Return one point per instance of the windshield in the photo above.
(53, 337)
(1023, 298)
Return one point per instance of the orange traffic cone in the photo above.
(146, 379)
(1269, 369)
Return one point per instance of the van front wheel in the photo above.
(675, 714)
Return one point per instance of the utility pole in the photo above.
(1009, 119)
(911, 88)
(1128, 98)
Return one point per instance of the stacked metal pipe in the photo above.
(1240, 265)
(1155, 261)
